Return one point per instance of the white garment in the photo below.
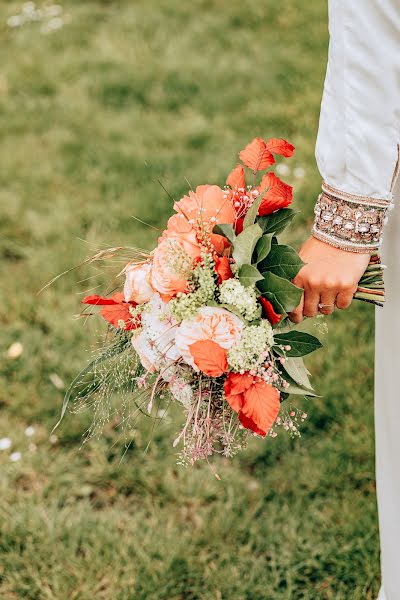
(357, 152)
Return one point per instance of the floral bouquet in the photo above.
(202, 320)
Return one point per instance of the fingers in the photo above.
(297, 315)
(345, 298)
(328, 301)
(312, 296)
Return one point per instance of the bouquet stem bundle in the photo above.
(371, 287)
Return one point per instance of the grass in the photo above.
(92, 116)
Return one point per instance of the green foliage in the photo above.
(92, 115)
(277, 221)
(249, 275)
(245, 243)
(286, 293)
(300, 342)
(283, 261)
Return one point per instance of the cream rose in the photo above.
(137, 283)
(215, 324)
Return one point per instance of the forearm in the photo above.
(357, 145)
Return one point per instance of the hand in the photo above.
(330, 276)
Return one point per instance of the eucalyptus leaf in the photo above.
(225, 229)
(297, 389)
(245, 243)
(249, 275)
(296, 369)
(262, 249)
(282, 261)
(277, 221)
(287, 294)
(301, 343)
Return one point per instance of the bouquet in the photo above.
(202, 320)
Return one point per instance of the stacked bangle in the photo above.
(349, 222)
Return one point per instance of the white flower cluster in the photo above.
(51, 16)
(243, 299)
(252, 350)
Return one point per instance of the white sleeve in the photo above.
(359, 130)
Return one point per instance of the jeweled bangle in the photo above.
(349, 222)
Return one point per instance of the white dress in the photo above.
(357, 152)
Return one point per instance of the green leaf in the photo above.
(249, 275)
(301, 343)
(287, 294)
(296, 369)
(282, 261)
(277, 221)
(252, 212)
(225, 229)
(262, 249)
(297, 389)
(245, 243)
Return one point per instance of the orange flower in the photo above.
(256, 401)
(173, 260)
(206, 207)
(279, 194)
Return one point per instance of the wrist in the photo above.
(349, 222)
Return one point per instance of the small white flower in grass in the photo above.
(299, 173)
(15, 21)
(29, 431)
(15, 456)
(57, 381)
(282, 169)
(5, 443)
(15, 350)
(53, 439)
(54, 10)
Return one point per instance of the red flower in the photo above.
(223, 268)
(256, 401)
(279, 194)
(269, 311)
(115, 310)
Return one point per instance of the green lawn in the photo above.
(93, 114)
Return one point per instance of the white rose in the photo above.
(137, 283)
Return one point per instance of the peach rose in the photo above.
(137, 283)
(215, 324)
(206, 206)
(173, 260)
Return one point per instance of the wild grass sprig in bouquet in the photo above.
(202, 320)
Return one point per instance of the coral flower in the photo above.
(211, 323)
(173, 260)
(256, 401)
(206, 207)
